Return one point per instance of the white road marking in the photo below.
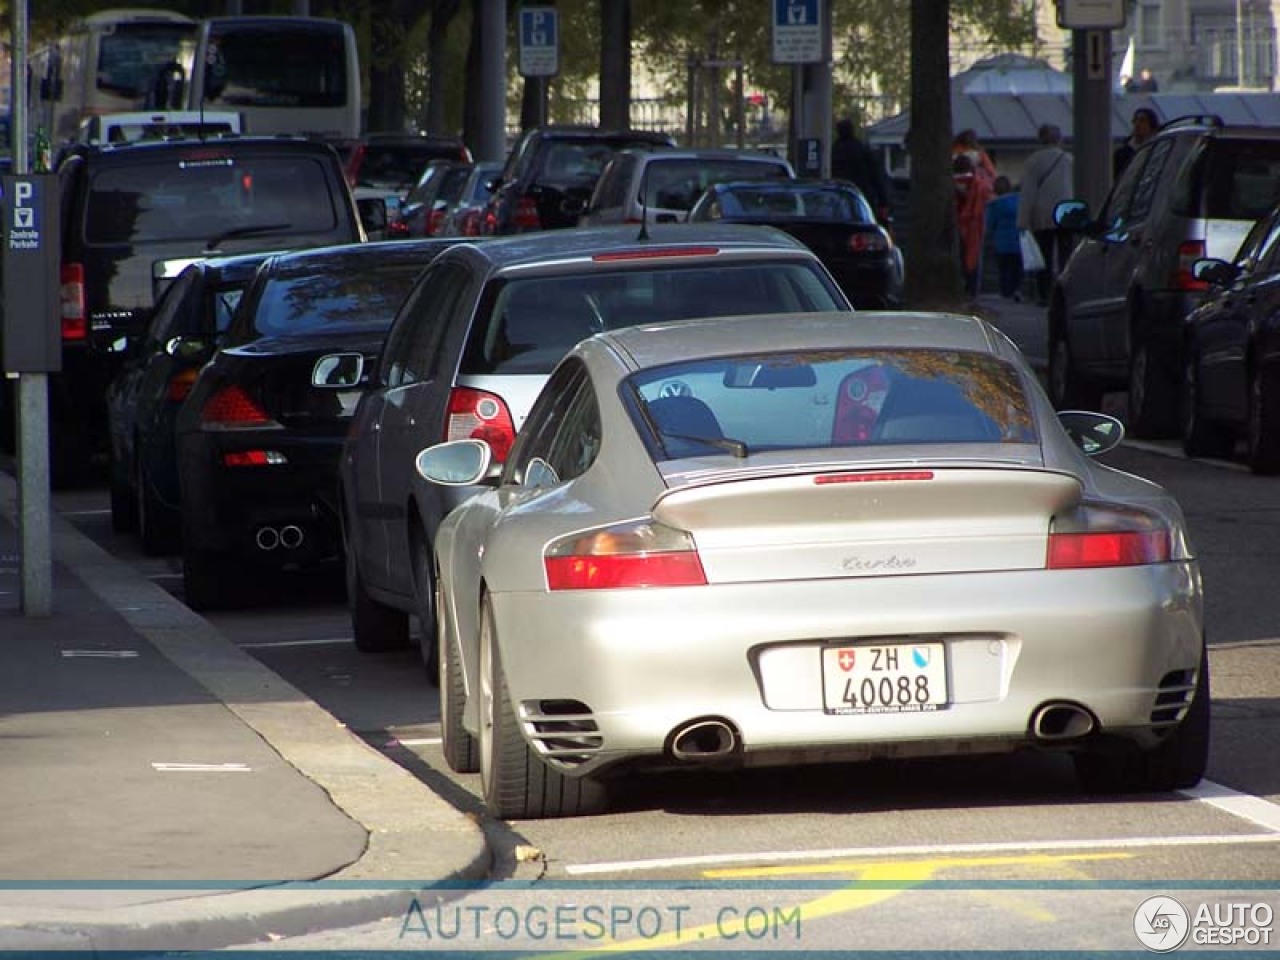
(164, 576)
(201, 768)
(1243, 805)
(416, 742)
(102, 654)
(294, 643)
(932, 850)
(84, 513)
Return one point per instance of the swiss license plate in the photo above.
(884, 678)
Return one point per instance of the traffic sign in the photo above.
(1091, 14)
(797, 31)
(539, 42)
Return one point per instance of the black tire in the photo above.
(375, 627)
(124, 508)
(516, 783)
(157, 523)
(1068, 390)
(1200, 437)
(1153, 396)
(1263, 430)
(1176, 763)
(208, 580)
(424, 596)
(461, 751)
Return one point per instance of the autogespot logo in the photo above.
(1161, 924)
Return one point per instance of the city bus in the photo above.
(298, 75)
(108, 62)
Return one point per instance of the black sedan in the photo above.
(260, 435)
(1231, 376)
(144, 398)
(831, 217)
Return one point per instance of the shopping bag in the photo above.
(1032, 258)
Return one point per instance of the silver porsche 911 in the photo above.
(784, 540)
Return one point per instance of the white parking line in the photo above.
(416, 742)
(294, 643)
(1242, 805)
(102, 654)
(83, 513)
(201, 768)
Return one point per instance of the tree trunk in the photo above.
(933, 279)
(442, 14)
(472, 120)
(615, 64)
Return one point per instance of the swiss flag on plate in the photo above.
(846, 660)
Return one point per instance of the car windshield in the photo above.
(337, 299)
(781, 401)
(531, 323)
(199, 196)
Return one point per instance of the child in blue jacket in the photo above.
(1002, 228)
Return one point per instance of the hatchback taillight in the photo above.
(233, 407)
(435, 222)
(480, 415)
(75, 322)
(526, 214)
(868, 243)
(640, 553)
(1188, 254)
(1104, 536)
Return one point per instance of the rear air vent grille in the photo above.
(1177, 689)
(564, 732)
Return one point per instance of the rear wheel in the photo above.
(1068, 390)
(124, 508)
(461, 751)
(1153, 396)
(157, 523)
(1176, 763)
(517, 784)
(1200, 438)
(424, 592)
(374, 625)
(1264, 424)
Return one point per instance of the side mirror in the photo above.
(1094, 433)
(1215, 271)
(573, 206)
(338, 371)
(189, 349)
(373, 215)
(457, 463)
(1072, 215)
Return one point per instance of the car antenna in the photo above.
(644, 204)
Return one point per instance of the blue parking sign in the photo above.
(797, 31)
(539, 41)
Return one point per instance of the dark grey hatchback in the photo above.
(476, 340)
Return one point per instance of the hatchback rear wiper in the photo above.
(252, 231)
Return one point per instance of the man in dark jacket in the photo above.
(853, 160)
(1145, 125)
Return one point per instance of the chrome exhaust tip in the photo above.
(291, 537)
(1061, 720)
(707, 739)
(267, 538)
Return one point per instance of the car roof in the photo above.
(710, 153)
(381, 251)
(103, 152)
(576, 243)
(656, 344)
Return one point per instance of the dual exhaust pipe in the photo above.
(288, 537)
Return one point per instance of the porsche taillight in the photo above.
(480, 415)
(1106, 536)
(232, 406)
(75, 320)
(640, 553)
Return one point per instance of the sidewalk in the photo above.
(161, 789)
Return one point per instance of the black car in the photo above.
(474, 343)
(259, 437)
(130, 212)
(1231, 373)
(831, 217)
(551, 172)
(143, 400)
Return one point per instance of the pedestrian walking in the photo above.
(853, 160)
(1002, 228)
(973, 190)
(1048, 178)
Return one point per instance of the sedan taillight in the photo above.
(75, 322)
(479, 415)
(636, 554)
(869, 243)
(1098, 536)
(233, 407)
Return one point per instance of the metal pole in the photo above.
(35, 527)
(1091, 114)
(493, 59)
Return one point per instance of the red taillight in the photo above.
(435, 222)
(75, 323)
(868, 243)
(490, 223)
(254, 458)
(469, 226)
(233, 407)
(1106, 536)
(478, 415)
(180, 385)
(1188, 254)
(638, 554)
(526, 214)
(398, 228)
(353, 165)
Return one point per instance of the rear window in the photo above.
(199, 198)
(530, 324)
(823, 399)
(340, 298)
(676, 184)
(400, 162)
(802, 203)
(581, 160)
(1238, 179)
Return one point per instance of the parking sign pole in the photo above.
(34, 514)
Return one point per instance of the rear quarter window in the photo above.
(192, 199)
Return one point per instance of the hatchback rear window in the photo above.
(527, 325)
(202, 197)
(815, 400)
(1239, 179)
